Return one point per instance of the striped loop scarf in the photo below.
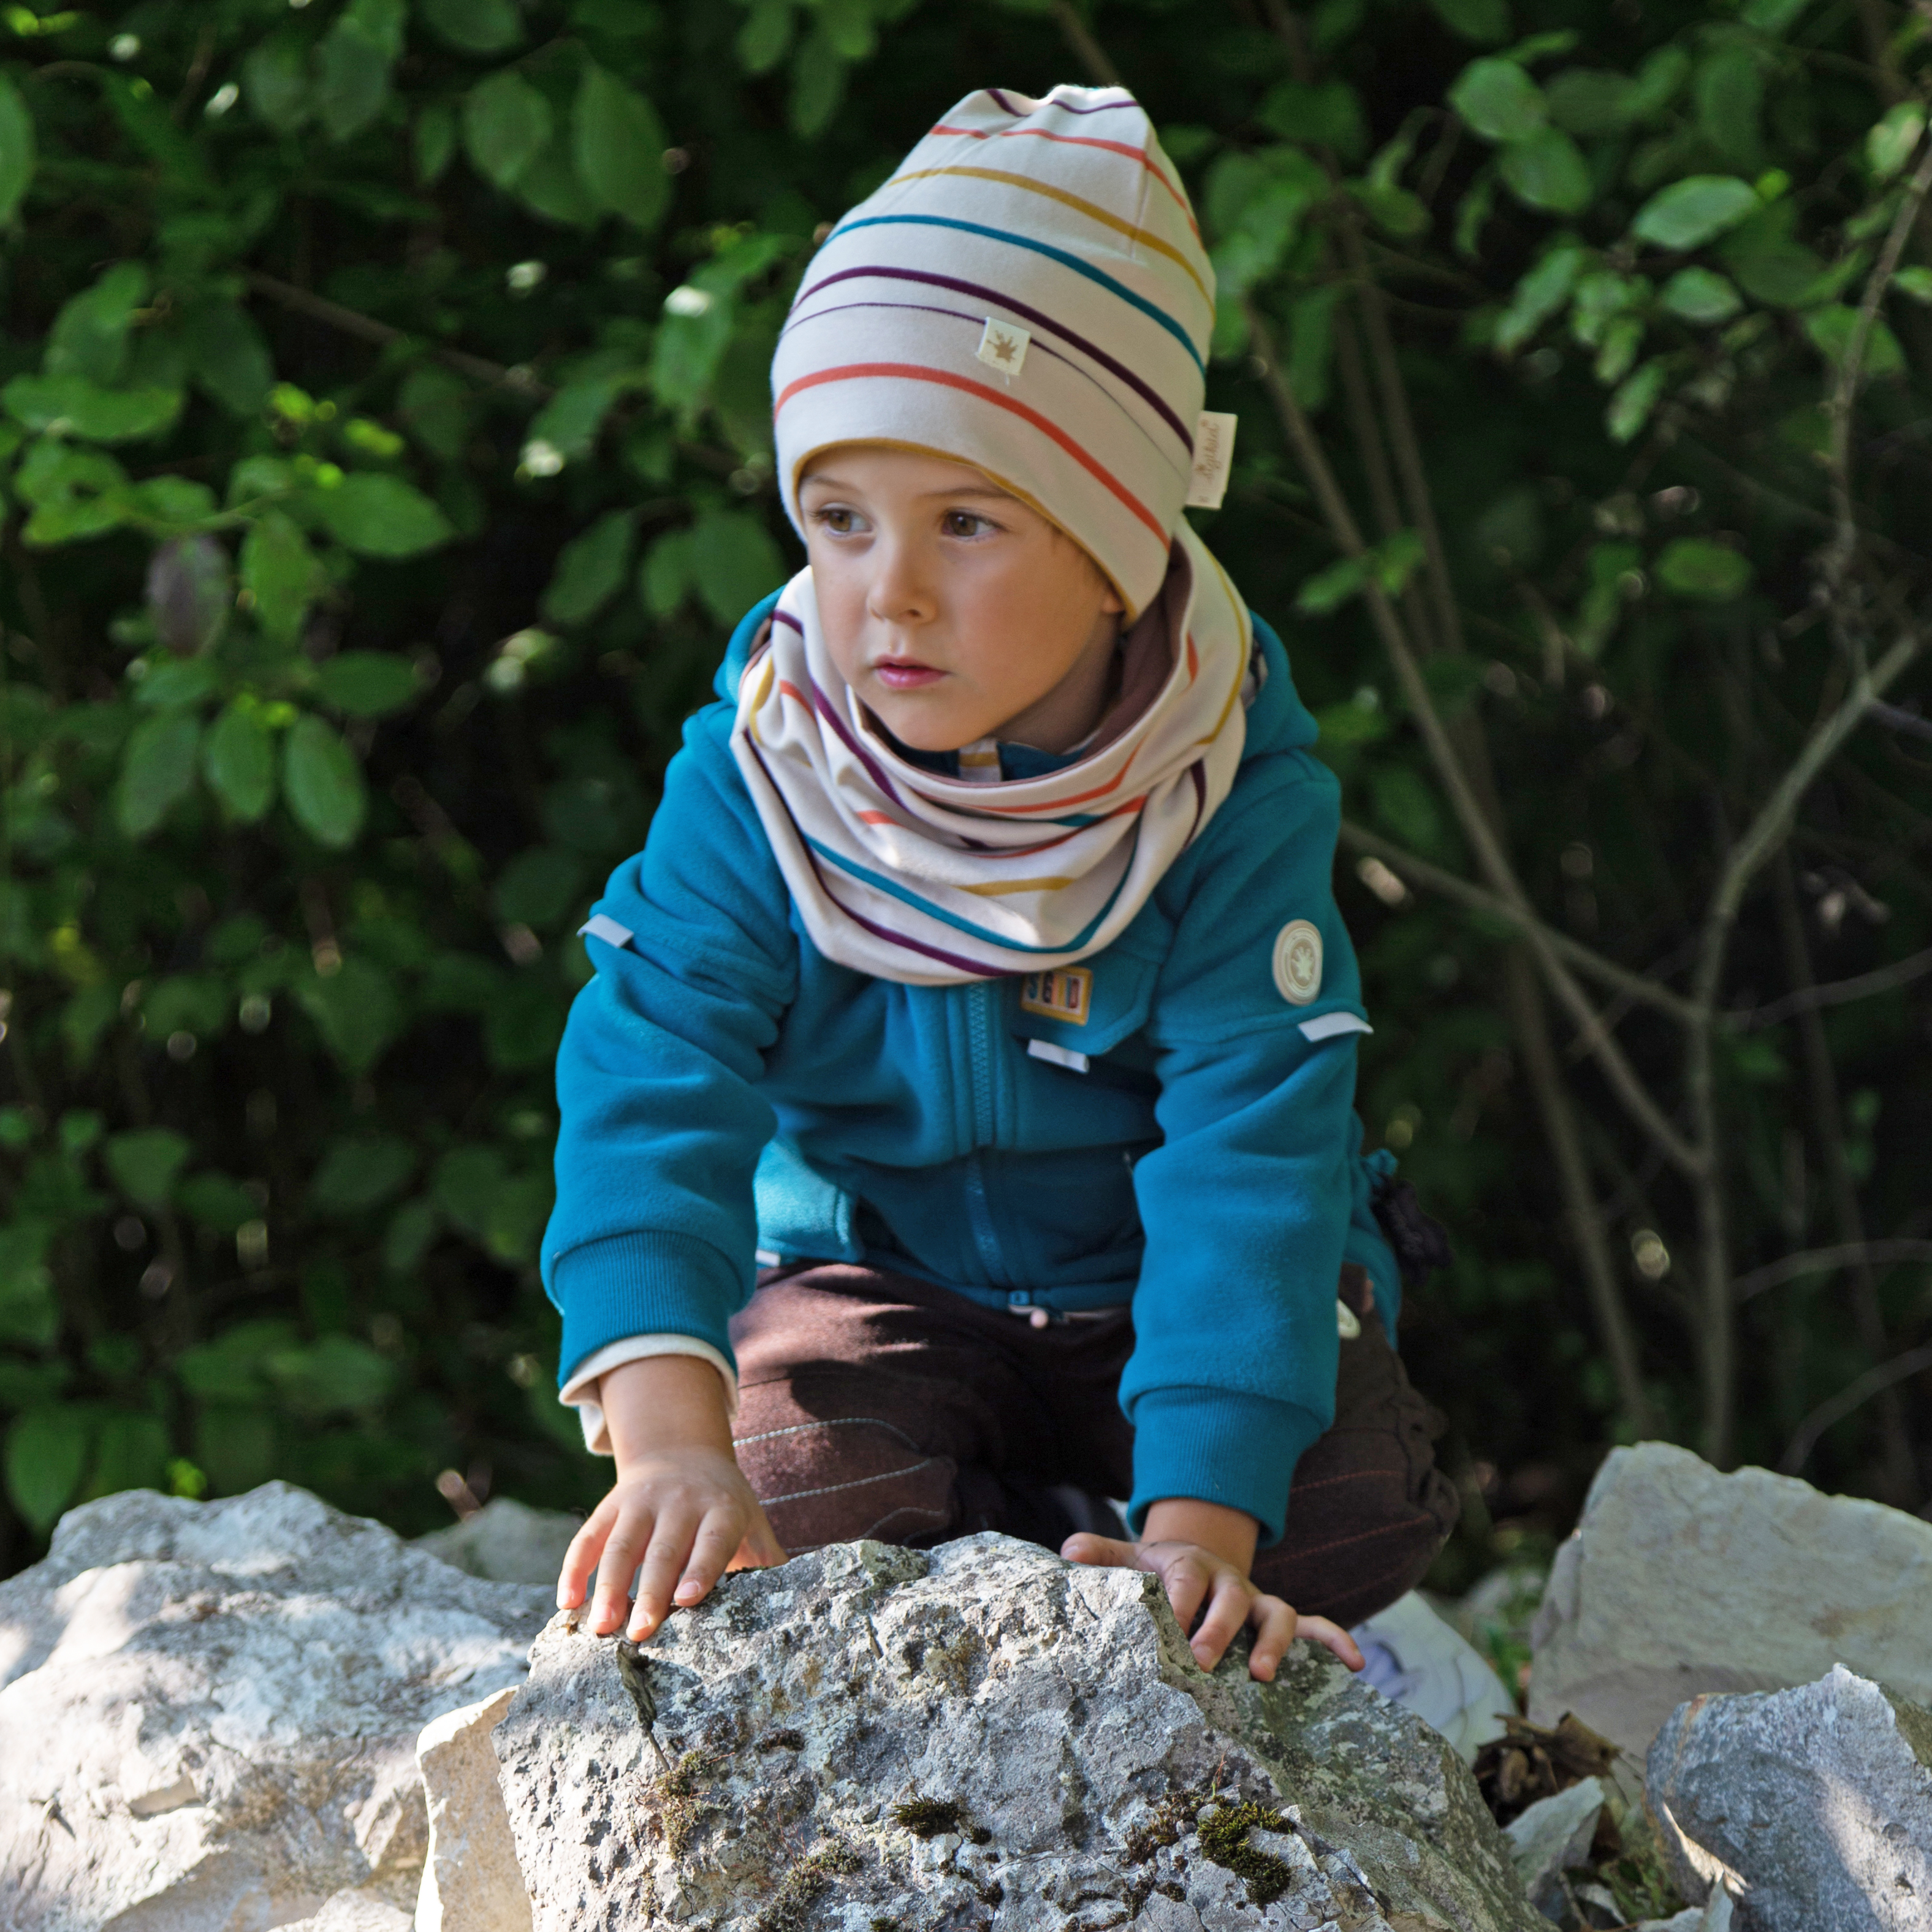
(908, 876)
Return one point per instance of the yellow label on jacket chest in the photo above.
(1065, 995)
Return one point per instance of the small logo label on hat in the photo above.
(1214, 458)
(1297, 962)
(1003, 346)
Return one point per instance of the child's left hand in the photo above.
(1197, 1575)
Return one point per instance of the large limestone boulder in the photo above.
(209, 1713)
(507, 1542)
(1810, 1809)
(1680, 1582)
(979, 1736)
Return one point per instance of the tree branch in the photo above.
(1476, 827)
(353, 321)
(1477, 898)
(1828, 1261)
(1888, 1374)
(1085, 48)
(1833, 993)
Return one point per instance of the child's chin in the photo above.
(921, 729)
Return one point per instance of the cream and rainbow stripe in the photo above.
(1062, 217)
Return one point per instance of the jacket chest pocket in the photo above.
(1076, 1014)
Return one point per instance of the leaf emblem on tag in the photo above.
(1297, 962)
(1003, 346)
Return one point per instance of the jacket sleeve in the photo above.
(654, 1231)
(1246, 1204)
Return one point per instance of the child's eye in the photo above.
(839, 520)
(967, 524)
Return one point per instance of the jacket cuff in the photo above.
(1218, 1446)
(642, 1284)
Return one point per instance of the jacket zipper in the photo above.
(981, 1020)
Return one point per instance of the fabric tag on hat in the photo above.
(1214, 458)
(1003, 346)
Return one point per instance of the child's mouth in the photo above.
(901, 674)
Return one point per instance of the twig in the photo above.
(1838, 406)
(1833, 993)
(1827, 1261)
(353, 321)
(1897, 719)
(1476, 826)
(1478, 898)
(1086, 49)
(1887, 1374)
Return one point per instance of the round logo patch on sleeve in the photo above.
(1297, 962)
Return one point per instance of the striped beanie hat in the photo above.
(1028, 294)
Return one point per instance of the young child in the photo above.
(981, 986)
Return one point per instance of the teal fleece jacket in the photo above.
(726, 1089)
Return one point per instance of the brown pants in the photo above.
(873, 1404)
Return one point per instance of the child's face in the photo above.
(953, 610)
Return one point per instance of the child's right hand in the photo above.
(680, 1506)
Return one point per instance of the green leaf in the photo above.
(170, 686)
(1701, 295)
(352, 66)
(29, 1314)
(1538, 296)
(432, 142)
(551, 187)
(591, 569)
(323, 784)
(540, 887)
(1689, 213)
(130, 1452)
(89, 336)
(1709, 572)
(383, 516)
(664, 577)
(158, 771)
(1329, 589)
(18, 153)
(1590, 102)
(72, 405)
(818, 84)
(1406, 808)
(619, 145)
(506, 124)
(1891, 143)
(197, 1002)
(433, 405)
(1622, 339)
(228, 358)
(1915, 283)
(337, 1374)
(1393, 210)
(465, 1184)
(523, 1024)
(1831, 330)
(1485, 21)
(763, 38)
(281, 574)
(275, 82)
(1498, 100)
(46, 1450)
(146, 1163)
(1547, 170)
(475, 26)
(216, 1201)
(355, 1010)
(356, 1175)
(734, 562)
(1629, 408)
(1728, 91)
(1329, 116)
(1771, 16)
(1658, 81)
(366, 684)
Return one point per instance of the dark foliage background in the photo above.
(386, 457)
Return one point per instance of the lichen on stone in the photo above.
(681, 1807)
(927, 1817)
(1224, 1840)
(799, 1890)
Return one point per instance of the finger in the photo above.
(760, 1550)
(1104, 1553)
(580, 1558)
(1330, 1637)
(1187, 1578)
(1228, 1607)
(717, 1539)
(617, 1565)
(664, 1563)
(1274, 1631)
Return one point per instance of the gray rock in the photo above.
(506, 1542)
(1811, 1808)
(1045, 1723)
(208, 1712)
(1680, 1582)
(1554, 1836)
(470, 1880)
(355, 1911)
